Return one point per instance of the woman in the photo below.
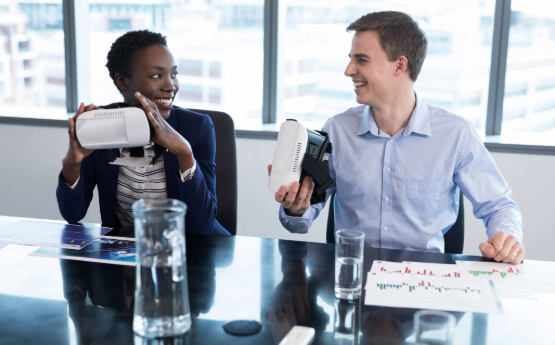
(144, 71)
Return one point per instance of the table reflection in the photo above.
(101, 297)
(308, 273)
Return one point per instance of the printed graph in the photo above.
(415, 269)
(440, 293)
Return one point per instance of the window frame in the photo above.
(76, 28)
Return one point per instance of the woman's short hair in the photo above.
(122, 54)
(399, 35)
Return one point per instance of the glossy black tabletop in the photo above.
(278, 283)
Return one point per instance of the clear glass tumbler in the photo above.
(161, 294)
(433, 327)
(349, 252)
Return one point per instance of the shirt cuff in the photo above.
(189, 173)
(75, 184)
(294, 224)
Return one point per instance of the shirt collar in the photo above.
(419, 121)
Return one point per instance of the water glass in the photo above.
(349, 253)
(161, 293)
(433, 327)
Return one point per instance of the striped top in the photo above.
(136, 183)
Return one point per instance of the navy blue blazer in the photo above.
(199, 193)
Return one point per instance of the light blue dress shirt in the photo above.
(402, 191)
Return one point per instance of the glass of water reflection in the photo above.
(349, 251)
(161, 293)
(433, 327)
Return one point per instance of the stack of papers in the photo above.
(428, 286)
(473, 286)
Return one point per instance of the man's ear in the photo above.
(401, 65)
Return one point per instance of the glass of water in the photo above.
(433, 327)
(349, 251)
(161, 293)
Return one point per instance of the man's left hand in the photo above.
(501, 247)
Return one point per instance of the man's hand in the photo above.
(297, 201)
(501, 247)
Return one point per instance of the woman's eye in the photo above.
(174, 75)
(156, 76)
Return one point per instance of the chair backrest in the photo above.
(454, 237)
(226, 168)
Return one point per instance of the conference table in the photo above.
(277, 283)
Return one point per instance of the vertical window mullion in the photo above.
(269, 95)
(76, 37)
(498, 68)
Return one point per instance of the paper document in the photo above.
(515, 281)
(429, 292)
(3, 244)
(49, 234)
(106, 249)
(415, 268)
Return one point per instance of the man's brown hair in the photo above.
(398, 35)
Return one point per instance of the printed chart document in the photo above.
(415, 268)
(106, 249)
(3, 244)
(48, 234)
(428, 286)
(515, 281)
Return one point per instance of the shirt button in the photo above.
(388, 170)
(390, 140)
(386, 199)
(385, 228)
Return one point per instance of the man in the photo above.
(399, 163)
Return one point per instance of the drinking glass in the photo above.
(161, 294)
(433, 327)
(349, 253)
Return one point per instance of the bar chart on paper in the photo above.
(491, 270)
(415, 268)
(440, 293)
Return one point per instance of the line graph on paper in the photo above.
(415, 269)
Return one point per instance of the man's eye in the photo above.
(361, 60)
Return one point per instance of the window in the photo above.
(215, 70)
(190, 93)
(215, 95)
(216, 44)
(190, 67)
(455, 74)
(31, 52)
(530, 61)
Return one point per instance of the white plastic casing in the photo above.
(288, 157)
(112, 128)
(299, 335)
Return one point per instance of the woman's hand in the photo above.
(166, 136)
(75, 153)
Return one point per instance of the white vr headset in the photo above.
(299, 153)
(118, 125)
